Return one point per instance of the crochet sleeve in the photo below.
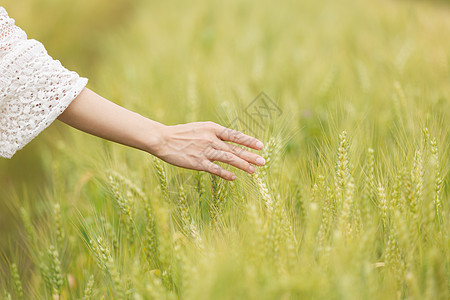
(34, 88)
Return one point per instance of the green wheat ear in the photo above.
(437, 182)
(162, 178)
(370, 186)
(7, 295)
(383, 207)
(60, 235)
(327, 221)
(56, 275)
(16, 281)
(89, 290)
(107, 264)
(219, 190)
(126, 204)
(188, 225)
(264, 192)
(29, 227)
(151, 237)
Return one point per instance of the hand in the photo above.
(193, 145)
(197, 145)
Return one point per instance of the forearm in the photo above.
(193, 145)
(95, 115)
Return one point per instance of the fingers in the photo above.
(218, 170)
(238, 151)
(231, 159)
(219, 150)
(230, 135)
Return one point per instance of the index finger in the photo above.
(234, 136)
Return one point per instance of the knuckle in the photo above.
(235, 148)
(216, 144)
(241, 152)
(208, 152)
(227, 156)
(209, 168)
(224, 131)
(238, 135)
(210, 124)
(200, 165)
(205, 165)
(213, 168)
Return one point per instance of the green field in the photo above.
(353, 202)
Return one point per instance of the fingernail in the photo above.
(251, 169)
(260, 161)
(259, 144)
(233, 177)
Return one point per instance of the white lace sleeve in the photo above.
(34, 88)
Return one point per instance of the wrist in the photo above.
(152, 136)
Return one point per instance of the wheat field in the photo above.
(352, 101)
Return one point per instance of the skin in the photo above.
(193, 146)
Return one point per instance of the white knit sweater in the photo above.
(34, 88)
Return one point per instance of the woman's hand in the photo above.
(197, 145)
(193, 145)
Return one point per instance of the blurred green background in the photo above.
(72, 33)
(316, 59)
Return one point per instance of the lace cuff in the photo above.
(34, 88)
